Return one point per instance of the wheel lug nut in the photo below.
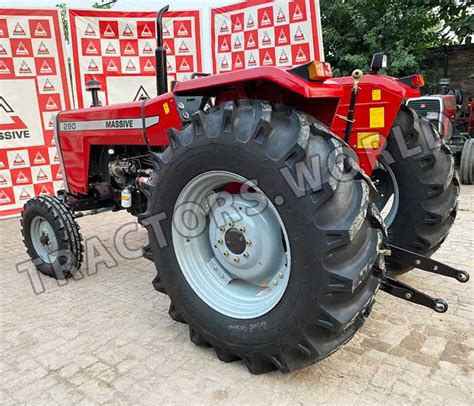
(242, 229)
(246, 254)
(274, 282)
(219, 241)
(226, 254)
(236, 259)
(230, 224)
(222, 229)
(280, 275)
(248, 242)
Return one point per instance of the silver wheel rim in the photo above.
(44, 239)
(390, 208)
(233, 249)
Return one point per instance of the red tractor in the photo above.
(263, 193)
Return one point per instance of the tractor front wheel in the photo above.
(266, 250)
(51, 237)
(467, 163)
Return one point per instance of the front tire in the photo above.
(331, 234)
(51, 237)
(467, 163)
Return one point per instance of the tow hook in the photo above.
(399, 289)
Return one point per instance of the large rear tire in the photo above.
(417, 169)
(329, 232)
(466, 168)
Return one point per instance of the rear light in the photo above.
(417, 81)
(319, 71)
(414, 81)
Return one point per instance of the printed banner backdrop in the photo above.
(118, 49)
(34, 86)
(265, 33)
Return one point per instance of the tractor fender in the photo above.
(378, 103)
(270, 84)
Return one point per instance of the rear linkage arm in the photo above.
(401, 290)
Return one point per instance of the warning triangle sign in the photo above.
(48, 86)
(45, 68)
(146, 32)
(265, 19)
(109, 32)
(39, 159)
(51, 125)
(166, 32)
(183, 48)
(129, 49)
(24, 68)
(300, 56)
(297, 15)
(250, 41)
(237, 43)
(3, 180)
(130, 66)
(41, 175)
(169, 68)
(224, 45)
(112, 67)
(3, 51)
(110, 49)
(250, 22)
(21, 178)
(89, 30)
(44, 191)
(4, 199)
(251, 61)
(281, 18)
(40, 31)
(59, 174)
(237, 24)
(147, 49)
(24, 195)
(4, 68)
(282, 38)
(299, 36)
(18, 30)
(2, 164)
(224, 63)
(267, 59)
(127, 32)
(42, 49)
(283, 57)
(93, 66)
(184, 66)
(21, 49)
(56, 157)
(18, 160)
(182, 31)
(148, 66)
(141, 94)
(91, 49)
(224, 27)
(266, 39)
(51, 104)
(238, 62)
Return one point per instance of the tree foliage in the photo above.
(353, 30)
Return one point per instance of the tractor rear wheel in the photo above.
(264, 263)
(467, 163)
(418, 187)
(51, 237)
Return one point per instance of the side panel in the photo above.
(378, 103)
(120, 124)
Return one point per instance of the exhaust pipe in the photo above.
(160, 55)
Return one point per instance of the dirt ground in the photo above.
(107, 338)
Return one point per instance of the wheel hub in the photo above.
(235, 241)
(44, 239)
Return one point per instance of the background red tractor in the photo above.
(264, 225)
